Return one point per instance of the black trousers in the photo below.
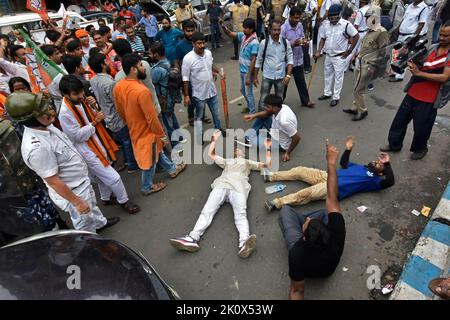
(236, 47)
(306, 58)
(300, 83)
(423, 115)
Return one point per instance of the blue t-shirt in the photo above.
(183, 48)
(355, 179)
(245, 56)
(169, 39)
(214, 14)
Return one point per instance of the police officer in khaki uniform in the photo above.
(376, 38)
(257, 13)
(239, 12)
(49, 152)
(306, 20)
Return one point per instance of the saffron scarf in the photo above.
(105, 139)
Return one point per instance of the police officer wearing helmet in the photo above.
(376, 38)
(334, 38)
(49, 152)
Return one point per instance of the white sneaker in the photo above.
(185, 244)
(249, 245)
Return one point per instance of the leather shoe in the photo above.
(324, 97)
(109, 222)
(350, 111)
(334, 103)
(359, 116)
(309, 105)
(387, 148)
(419, 155)
(395, 80)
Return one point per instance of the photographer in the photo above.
(427, 91)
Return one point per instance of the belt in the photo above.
(361, 31)
(336, 55)
(405, 34)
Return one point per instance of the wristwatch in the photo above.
(288, 75)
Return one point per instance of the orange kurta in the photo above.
(134, 104)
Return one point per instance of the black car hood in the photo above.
(47, 268)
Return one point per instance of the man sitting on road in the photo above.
(315, 241)
(231, 186)
(353, 178)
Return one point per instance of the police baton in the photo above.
(313, 73)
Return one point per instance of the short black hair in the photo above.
(317, 234)
(94, 50)
(73, 45)
(5, 37)
(13, 49)
(119, 19)
(49, 49)
(104, 30)
(188, 24)
(69, 83)
(446, 24)
(166, 18)
(14, 80)
(52, 35)
(198, 36)
(249, 23)
(158, 47)
(101, 19)
(296, 10)
(71, 63)
(96, 32)
(122, 47)
(89, 28)
(96, 61)
(275, 21)
(130, 60)
(273, 100)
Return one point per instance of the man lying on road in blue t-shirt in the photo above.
(352, 178)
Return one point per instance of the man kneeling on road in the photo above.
(315, 241)
(231, 186)
(353, 178)
(283, 125)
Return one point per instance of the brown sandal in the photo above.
(178, 170)
(156, 187)
(443, 284)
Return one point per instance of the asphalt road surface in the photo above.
(383, 235)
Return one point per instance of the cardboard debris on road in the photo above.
(387, 289)
(415, 212)
(362, 208)
(425, 211)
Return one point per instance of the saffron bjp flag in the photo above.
(39, 7)
(40, 68)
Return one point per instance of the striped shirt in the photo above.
(137, 45)
(425, 90)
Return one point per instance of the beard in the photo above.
(141, 75)
(166, 28)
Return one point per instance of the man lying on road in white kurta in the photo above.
(231, 186)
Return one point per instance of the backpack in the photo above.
(266, 43)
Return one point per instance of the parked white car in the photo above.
(33, 22)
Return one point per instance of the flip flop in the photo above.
(156, 187)
(445, 287)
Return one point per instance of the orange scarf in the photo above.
(105, 139)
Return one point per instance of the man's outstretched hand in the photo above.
(216, 135)
(383, 157)
(349, 142)
(332, 153)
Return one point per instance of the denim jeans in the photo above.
(266, 86)
(291, 222)
(123, 136)
(170, 121)
(147, 175)
(260, 123)
(247, 92)
(215, 33)
(199, 106)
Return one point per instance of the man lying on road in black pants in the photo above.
(315, 241)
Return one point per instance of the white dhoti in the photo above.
(215, 200)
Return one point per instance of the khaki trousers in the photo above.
(316, 178)
(362, 77)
